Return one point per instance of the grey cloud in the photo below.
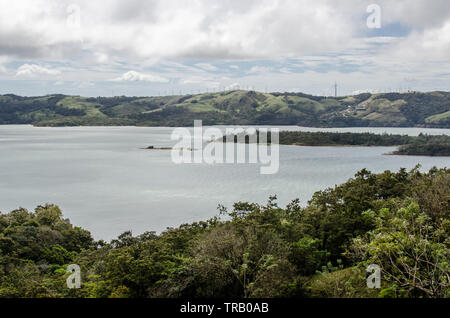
(204, 29)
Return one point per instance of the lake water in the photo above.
(105, 183)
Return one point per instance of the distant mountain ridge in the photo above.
(237, 107)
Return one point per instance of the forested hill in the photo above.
(236, 107)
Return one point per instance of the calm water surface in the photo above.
(105, 183)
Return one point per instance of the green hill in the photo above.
(232, 107)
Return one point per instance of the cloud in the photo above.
(259, 69)
(206, 66)
(133, 76)
(168, 28)
(206, 80)
(233, 86)
(179, 40)
(432, 44)
(101, 57)
(200, 29)
(285, 70)
(32, 70)
(204, 29)
(419, 14)
(85, 84)
(3, 61)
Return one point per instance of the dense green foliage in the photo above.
(399, 221)
(424, 145)
(306, 138)
(34, 248)
(231, 108)
(342, 139)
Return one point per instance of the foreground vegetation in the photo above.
(398, 220)
(232, 108)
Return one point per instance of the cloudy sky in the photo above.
(117, 47)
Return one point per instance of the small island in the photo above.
(157, 148)
(425, 145)
(422, 145)
(167, 148)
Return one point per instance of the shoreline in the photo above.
(415, 155)
(232, 125)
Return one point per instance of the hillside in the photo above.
(232, 107)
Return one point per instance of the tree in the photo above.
(412, 250)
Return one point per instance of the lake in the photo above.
(104, 182)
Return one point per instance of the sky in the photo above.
(166, 47)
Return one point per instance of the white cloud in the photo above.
(199, 80)
(133, 76)
(432, 44)
(233, 86)
(85, 84)
(285, 70)
(170, 28)
(101, 57)
(208, 29)
(259, 69)
(32, 70)
(3, 61)
(206, 66)
(203, 29)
